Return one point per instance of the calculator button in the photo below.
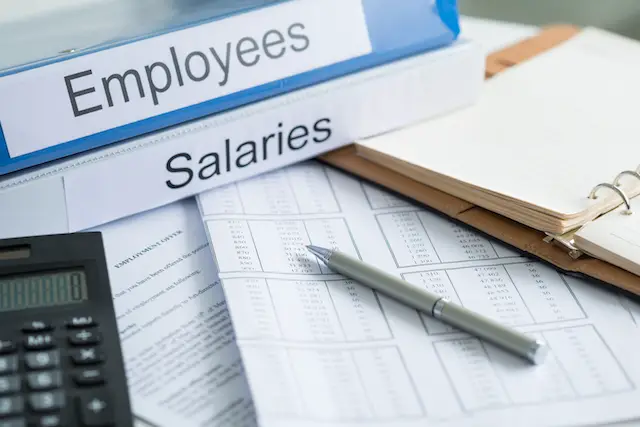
(84, 337)
(11, 406)
(80, 322)
(42, 360)
(89, 377)
(87, 356)
(15, 422)
(44, 380)
(38, 342)
(10, 384)
(7, 346)
(96, 410)
(46, 401)
(52, 420)
(8, 364)
(36, 326)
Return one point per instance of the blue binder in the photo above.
(394, 30)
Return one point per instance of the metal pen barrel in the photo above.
(466, 320)
(482, 327)
(383, 282)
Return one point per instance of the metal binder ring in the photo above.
(616, 181)
(624, 197)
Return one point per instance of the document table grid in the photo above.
(367, 383)
(295, 190)
(579, 365)
(278, 246)
(420, 238)
(523, 293)
(373, 384)
(328, 311)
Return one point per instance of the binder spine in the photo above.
(92, 98)
(153, 170)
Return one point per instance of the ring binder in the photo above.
(92, 72)
(592, 194)
(568, 241)
(634, 173)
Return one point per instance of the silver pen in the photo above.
(509, 339)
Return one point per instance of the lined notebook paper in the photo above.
(614, 237)
(541, 136)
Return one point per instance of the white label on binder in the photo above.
(82, 96)
(235, 145)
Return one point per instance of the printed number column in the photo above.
(235, 234)
(282, 246)
(250, 302)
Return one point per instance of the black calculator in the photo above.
(60, 355)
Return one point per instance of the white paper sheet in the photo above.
(614, 237)
(321, 350)
(182, 363)
(536, 132)
(634, 309)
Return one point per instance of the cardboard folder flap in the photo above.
(588, 266)
(531, 241)
(500, 227)
(512, 55)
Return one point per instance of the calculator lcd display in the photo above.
(44, 289)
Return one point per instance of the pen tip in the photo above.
(321, 253)
(538, 352)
